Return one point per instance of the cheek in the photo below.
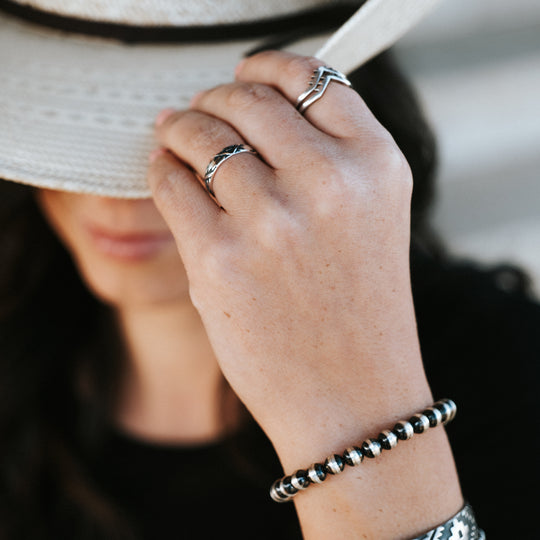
(55, 211)
(159, 279)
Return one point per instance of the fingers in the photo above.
(340, 111)
(258, 110)
(186, 207)
(196, 138)
(266, 119)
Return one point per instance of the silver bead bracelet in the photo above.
(441, 412)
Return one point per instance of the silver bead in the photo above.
(300, 480)
(316, 473)
(445, 410)
(388, 439)
(403, 430)
(419, 422)
(434, 416)
(371, 448)
(448, 409)
(287, 487)
(334, 464)
(353, 456)
(453, 408)
(278, 493)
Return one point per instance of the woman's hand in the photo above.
(302, 281)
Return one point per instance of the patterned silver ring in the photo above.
(218, 159)
(318, 84)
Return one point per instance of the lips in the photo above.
(129, 246)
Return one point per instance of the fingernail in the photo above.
(154, 154)
(163, 115)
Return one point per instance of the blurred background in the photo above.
(476, 67)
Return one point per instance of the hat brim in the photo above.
(78, 112)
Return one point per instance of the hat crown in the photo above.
(176, 12)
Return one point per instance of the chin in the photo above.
(122, 248)
(136, 285)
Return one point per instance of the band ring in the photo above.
(318, 84)
(218, 159)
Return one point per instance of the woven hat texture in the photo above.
(176, 12)
(78, 111)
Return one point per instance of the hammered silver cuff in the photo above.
(462, 526)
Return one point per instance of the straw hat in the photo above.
(81, 81)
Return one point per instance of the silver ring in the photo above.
(218, 159)
(318, 84)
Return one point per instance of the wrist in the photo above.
(325, 420)
(384, 489)
(324, 429)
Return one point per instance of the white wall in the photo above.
(476, 66)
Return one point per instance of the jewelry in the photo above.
(441, 412)
(462, 526)
(218, 159)
(318, 84)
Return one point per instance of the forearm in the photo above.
(399, 494)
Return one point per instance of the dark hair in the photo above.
(60, 362)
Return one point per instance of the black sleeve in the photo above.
(480, 338)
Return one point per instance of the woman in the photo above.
(148, 338)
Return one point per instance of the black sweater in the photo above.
(480, 339)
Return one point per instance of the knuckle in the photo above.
(205, 131)
(162, 182)
(247, 94)
(301, 65)
(276, 229)
(268, 54)
(393, 182)
(216, 260)
(333, 183)
(389, 155)
(396, 160)
(391, 164)
(174, 123)
(331, 203)
(333, 174)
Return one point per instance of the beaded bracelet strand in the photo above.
(441, 412)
